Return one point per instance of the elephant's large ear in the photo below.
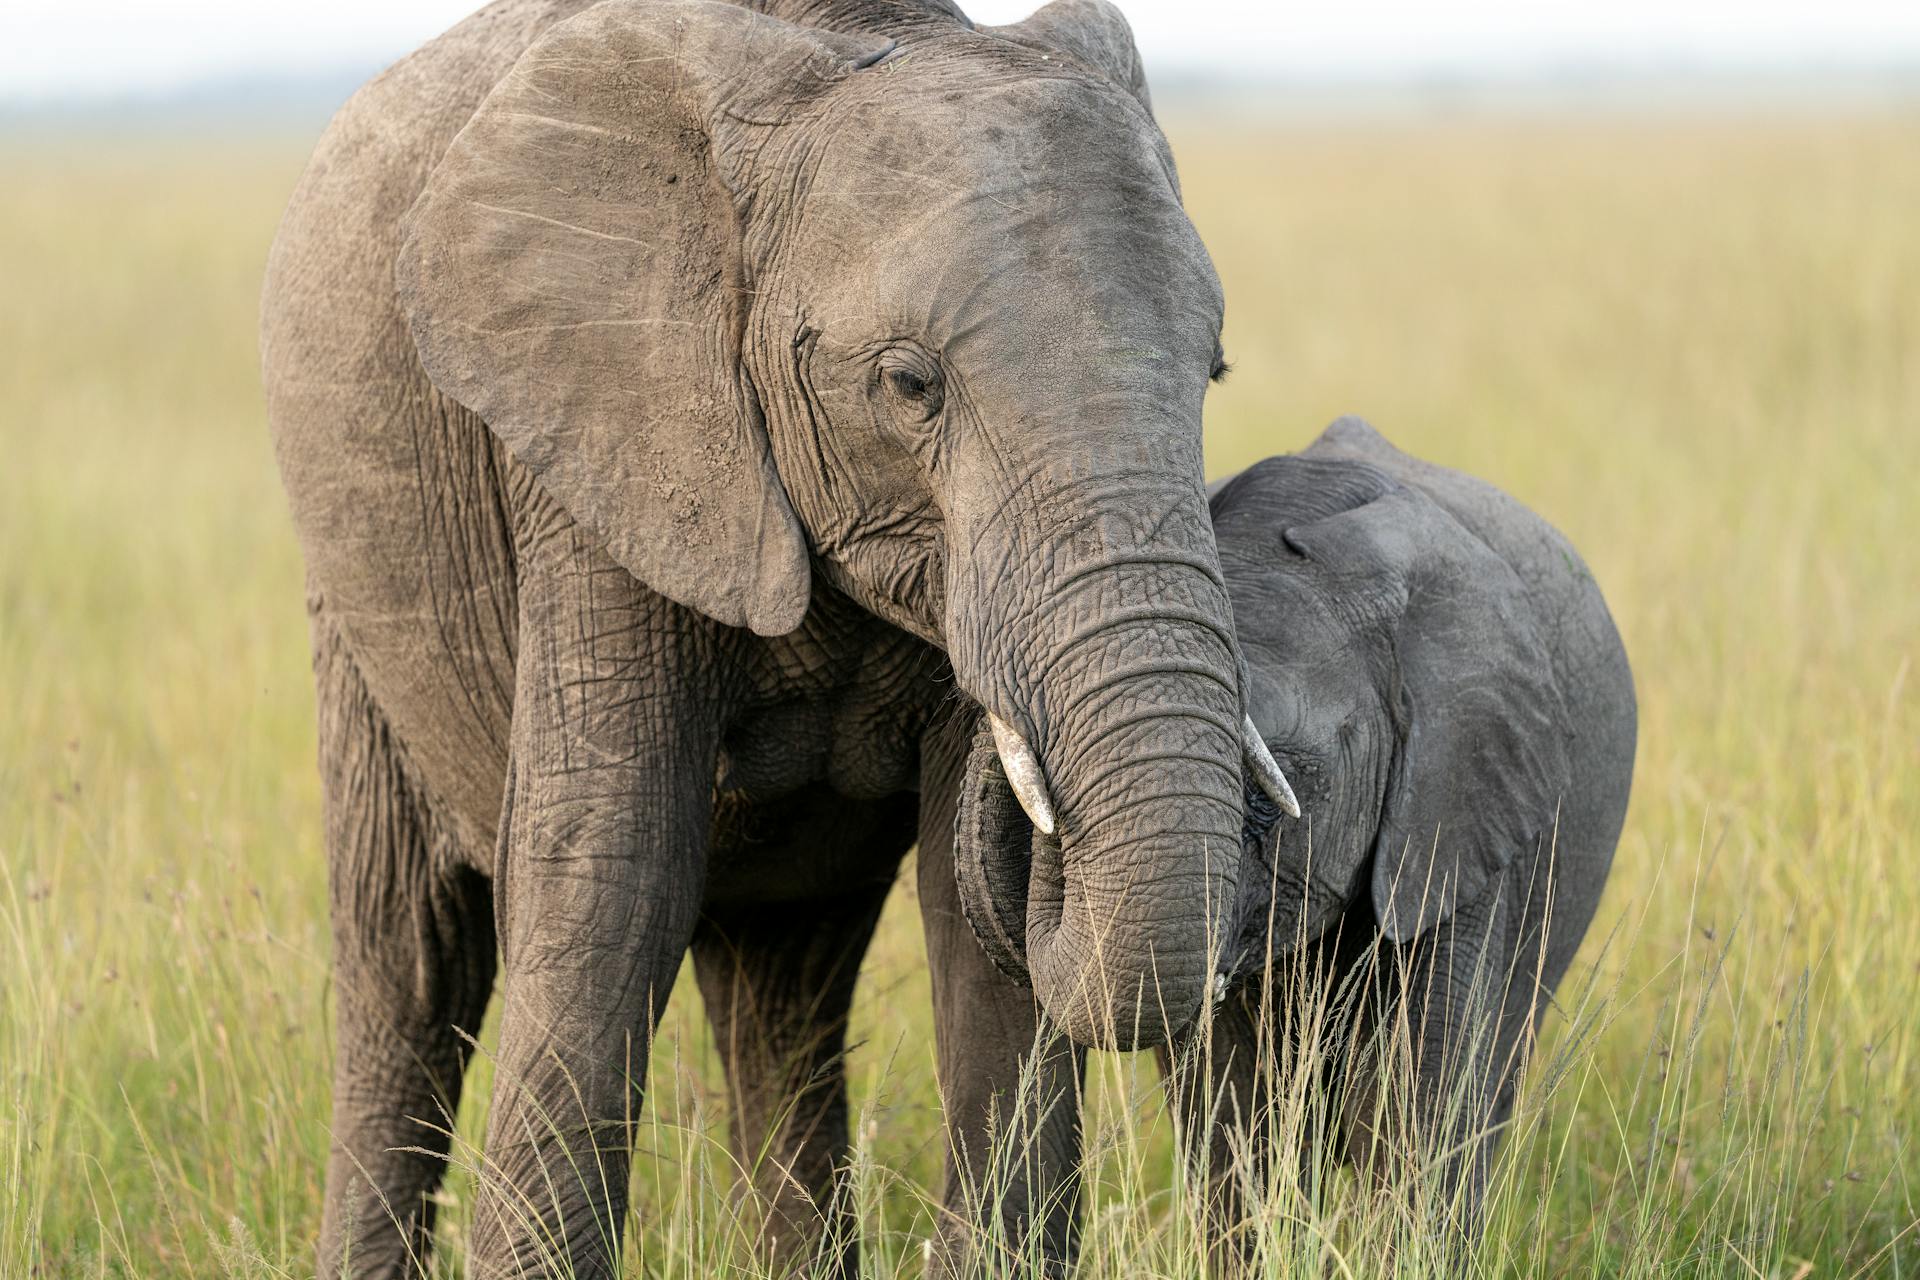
(1482, 759)
(1092, 32)
(573, 274)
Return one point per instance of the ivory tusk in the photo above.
(1266, 771)
(1023, 773)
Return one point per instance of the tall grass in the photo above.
(1693, 345)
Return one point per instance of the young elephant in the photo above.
(1437, 673)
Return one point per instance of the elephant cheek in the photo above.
(1297, 877)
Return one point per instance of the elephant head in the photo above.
(1398, 670)
(866, 291)
(1395, 669)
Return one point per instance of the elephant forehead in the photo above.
(939, 141)
(1311, 664)
(1064, 271)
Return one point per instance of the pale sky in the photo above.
(71, 47)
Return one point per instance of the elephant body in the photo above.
(416, 521)
(1438, 673)
(676, 401)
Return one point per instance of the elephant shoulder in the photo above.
(348, 405)
(396, 493)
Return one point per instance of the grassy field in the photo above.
(1695, 345)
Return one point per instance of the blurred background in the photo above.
(235, 63)
(1653, 267)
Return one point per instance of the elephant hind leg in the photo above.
(413, 958)
(778, 982)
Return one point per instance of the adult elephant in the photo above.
(643, 374)
(1438, 671)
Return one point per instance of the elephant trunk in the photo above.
(1124, 921)
(1124, 688)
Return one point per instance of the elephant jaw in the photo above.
(1260, 900)
(1295, 876)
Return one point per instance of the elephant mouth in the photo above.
(1251, 922)
(997, 852)
(995, 848)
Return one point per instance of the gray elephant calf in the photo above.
(1437, 672)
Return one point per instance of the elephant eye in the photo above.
(912, 378)
(1220, 369)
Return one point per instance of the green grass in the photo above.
(1694, 345)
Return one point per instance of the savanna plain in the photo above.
(1693, 343)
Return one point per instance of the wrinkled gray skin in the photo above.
(659, 386)
(1437, 673)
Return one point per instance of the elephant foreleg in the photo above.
(1012, 1096)
(1249, 1093)
(599, 881)
(413, 960)
(1429, 1082)
(1220, 1083)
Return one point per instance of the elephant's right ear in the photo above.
(1482, 763)
(1093, 32)
(573, 274)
